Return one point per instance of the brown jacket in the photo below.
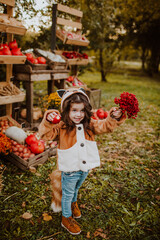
(77, 150)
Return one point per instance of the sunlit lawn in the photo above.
(121, 199)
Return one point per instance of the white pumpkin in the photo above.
(17, 134)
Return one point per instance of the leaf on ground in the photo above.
(23, 204)
(25, 182)
(27, 215)
(119, 169)
(157, 197)
(32, 169)
(88, 235)
(99, 232)
(83, 205)
(46, 217)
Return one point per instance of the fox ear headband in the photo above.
(61, 92)
(64, 94)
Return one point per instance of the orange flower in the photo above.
(5, 144)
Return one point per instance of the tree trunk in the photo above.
(143, 57)
(103, 76)
(154, 61)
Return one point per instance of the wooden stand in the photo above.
(77, 15)
(11, 26)
(26, 74)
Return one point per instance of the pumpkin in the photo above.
(16, 134)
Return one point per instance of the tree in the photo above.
(141, 20)
(98, 22)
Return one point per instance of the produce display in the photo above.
(5, 144)
(16, 133)
(4, 124)
(31, 58)
(9, 88)
(72, 35)
(73, 81)
(73, 54)
(36, 146)
(21, 150)
(23, 144)
(10, 49)
(51, 56)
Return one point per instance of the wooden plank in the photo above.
(57, 76)
(7, 59)
(8, 2)
(69, 10)
(53, 28)
(40, 77)
(10, 25)
(12, 99)
(29, 101)
(62, 21)
(12, 29)
(77, 42)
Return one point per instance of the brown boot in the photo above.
(70, 225)
(75, 210)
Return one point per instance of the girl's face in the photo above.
(76, 112)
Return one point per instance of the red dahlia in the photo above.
(129, 103)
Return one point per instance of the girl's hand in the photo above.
(53, 117)
(117, 114)
(50, 116)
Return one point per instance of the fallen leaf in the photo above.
(157, 197)
(38, 174)
(99, 232)
(32, 169)
(27, 215)
(83, 205)
(46, 217)
(88, 235)
(119, 169)
(97, 207)
(23, 204)
(25, 182)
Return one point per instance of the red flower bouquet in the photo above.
(128, 103)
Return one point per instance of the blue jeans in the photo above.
(71, 182)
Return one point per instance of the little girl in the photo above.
(77, 151)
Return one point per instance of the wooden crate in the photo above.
(73, 61)
(31, 162)
(36, 66)
(66, 40)
(95, 97)
(10, 119)
(52, 64)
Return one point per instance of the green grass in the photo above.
(121, 199)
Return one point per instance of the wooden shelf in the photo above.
(8, 2)
(11, 59)
(11, 25)
(12, 99)
(78, 61)
(66, 40)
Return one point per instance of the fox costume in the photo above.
(76, 150)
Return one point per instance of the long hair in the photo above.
(76, 98)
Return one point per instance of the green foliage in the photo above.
(141, 21)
